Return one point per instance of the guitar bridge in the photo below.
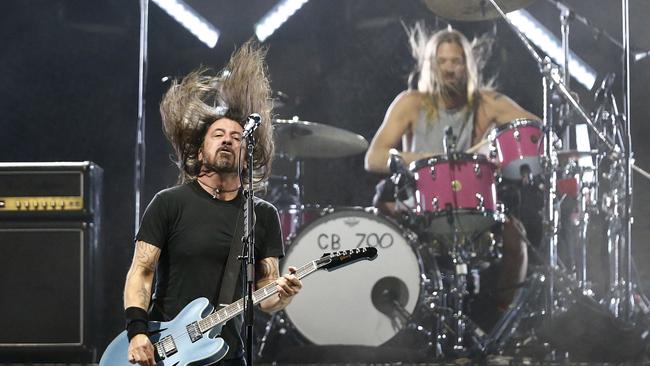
(166, 347)
(194, 331)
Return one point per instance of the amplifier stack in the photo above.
(49, 241)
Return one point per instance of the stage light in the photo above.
(191, 20)
(547, 42)
(276, 17)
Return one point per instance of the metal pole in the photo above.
(565, 18)
(550, 217)
(140, 130)
(249, 240)
(627, 270)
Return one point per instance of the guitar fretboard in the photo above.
(223, 315)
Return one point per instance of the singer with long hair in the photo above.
(188, 230)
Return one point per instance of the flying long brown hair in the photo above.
(191, 105)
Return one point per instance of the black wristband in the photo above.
(136, 321)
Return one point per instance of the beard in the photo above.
(220, 163)
(454, 89)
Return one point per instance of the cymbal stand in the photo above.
(553, 83)
(587, 195)
(292, 190)
(463, 328)
(607, 114)
(566, 15)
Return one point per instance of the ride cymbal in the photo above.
(473, 10)
(302, 139)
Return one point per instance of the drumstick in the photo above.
(474, 148)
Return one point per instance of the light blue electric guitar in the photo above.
(192, 337)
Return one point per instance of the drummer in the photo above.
(450, 93)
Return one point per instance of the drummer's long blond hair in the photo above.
(190, 106)
(424, 46)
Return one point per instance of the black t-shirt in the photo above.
(194, 232)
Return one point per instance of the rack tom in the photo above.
(517, 148)
(456, 193)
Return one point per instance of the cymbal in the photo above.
(302, 139)
(473, 10)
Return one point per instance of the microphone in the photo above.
(252, 122)
(396, 163)
(398, 168)
(449, 141)
(390, 295)
(605, 88)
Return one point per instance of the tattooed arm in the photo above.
(288, 285)
(500, 109)
(137, 293)
(139, 279)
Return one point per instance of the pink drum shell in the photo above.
(518, 143)
(461, 192)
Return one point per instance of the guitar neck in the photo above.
(223, 315)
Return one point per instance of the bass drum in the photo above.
(365, 303)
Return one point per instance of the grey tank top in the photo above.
(428, 134)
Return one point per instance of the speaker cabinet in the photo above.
(47, 299)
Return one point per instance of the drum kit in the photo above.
(431, 257)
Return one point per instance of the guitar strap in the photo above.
(231, 271)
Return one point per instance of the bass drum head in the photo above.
(354, 305)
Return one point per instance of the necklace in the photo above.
(215, 190)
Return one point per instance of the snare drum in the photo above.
(518, 148)
(456, 194)
(354, 305)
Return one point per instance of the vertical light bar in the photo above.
(276, 17)
(547, 42)
(191, 20)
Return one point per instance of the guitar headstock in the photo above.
(331, 261)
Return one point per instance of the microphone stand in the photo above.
(249, 251)
(140, 151)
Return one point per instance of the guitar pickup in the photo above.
(166, 347)
(194, 331)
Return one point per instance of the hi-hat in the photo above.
(473, 9)
(302, 139)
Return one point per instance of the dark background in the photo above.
(68, 91)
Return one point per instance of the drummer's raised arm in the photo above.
(502, 109)
(399, 118)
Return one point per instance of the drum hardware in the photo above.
(552, 83)
(477, 170)
(480, 205)
(554, 284)
(441, 184)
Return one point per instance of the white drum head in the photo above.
(337, 307)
